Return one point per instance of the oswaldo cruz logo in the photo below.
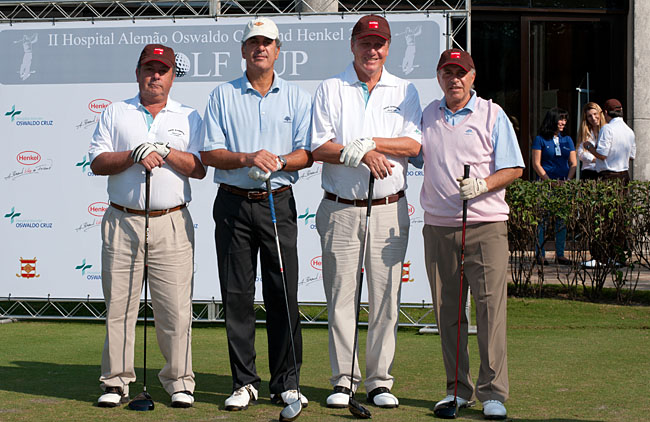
(97, 208)
(317, 263)
(98, 105)
(28, 158)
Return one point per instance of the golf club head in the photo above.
(447, 410)
(141, 402)
(291, 411)
(357, 410)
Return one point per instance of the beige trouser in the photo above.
(486, 263)
(171, 250)
(341, 228)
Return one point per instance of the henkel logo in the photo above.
(98, 105)
(28, 158)
(97, 208)
(411, 210)
(317, 263)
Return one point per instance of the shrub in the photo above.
(605, 221)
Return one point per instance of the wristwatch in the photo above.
(283, 161)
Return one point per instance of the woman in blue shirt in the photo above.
(554, 157)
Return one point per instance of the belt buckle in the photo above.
(251, 195)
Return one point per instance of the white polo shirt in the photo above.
(340, 114)
(616, 142)
(123, 126)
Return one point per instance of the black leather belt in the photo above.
(364, 202)
(156, 213)
(252, 194)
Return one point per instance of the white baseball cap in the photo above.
(261, 26)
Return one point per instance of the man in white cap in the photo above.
(257, 127)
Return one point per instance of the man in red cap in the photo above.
(461, 129)
(150, 132)
(365, 122)
(616, 145)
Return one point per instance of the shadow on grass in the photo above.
(81, 383)
(477, 414)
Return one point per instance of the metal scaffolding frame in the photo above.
(13, 12)
(311, 313)
(457, 15)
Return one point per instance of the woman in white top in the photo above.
(590, 124)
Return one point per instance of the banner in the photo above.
(55, 80)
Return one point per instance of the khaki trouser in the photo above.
(486, 263)
(171, 258)
(341, 228)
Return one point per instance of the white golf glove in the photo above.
(257, 173)
(471, 187)
(354, 151)
(147, 148)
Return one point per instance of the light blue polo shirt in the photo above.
(239, 119)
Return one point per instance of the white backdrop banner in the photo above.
(55, 80)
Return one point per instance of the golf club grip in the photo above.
(271, 205)
(371, 186)
(465, 176)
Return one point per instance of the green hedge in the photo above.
(604, 220)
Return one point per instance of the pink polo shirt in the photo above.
(446, 149)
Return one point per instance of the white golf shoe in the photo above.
(241, 398)
(462, 403)
(182, 399)
(288, 397)
(112, 397)
(339, 398)
(494, 410)
(382, 397)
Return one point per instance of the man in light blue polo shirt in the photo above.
(256, 128)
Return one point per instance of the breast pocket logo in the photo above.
(176, 132)
(392, 110)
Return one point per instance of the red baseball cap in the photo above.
(159, 53)
(371, 25)
(612, 105)
(458, 57)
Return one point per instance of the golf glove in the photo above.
(147, 148)
(471, 187)
(354, 151)
(257, 173)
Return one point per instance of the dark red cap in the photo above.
(612, 105)
(371, 25)
(159, 53)
(458, 57)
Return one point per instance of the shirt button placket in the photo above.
(263, 125)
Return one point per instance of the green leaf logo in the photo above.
(13, 112)
(83, 267)
(13, 214)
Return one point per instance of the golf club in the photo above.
(450, 410)
(292, 410)
(143, 401)
(357, 410)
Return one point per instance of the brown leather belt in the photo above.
(252, 194)
(364, 202)
(156, 213)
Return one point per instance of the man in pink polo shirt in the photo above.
(457, 130)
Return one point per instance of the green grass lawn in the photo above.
(568, 361)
